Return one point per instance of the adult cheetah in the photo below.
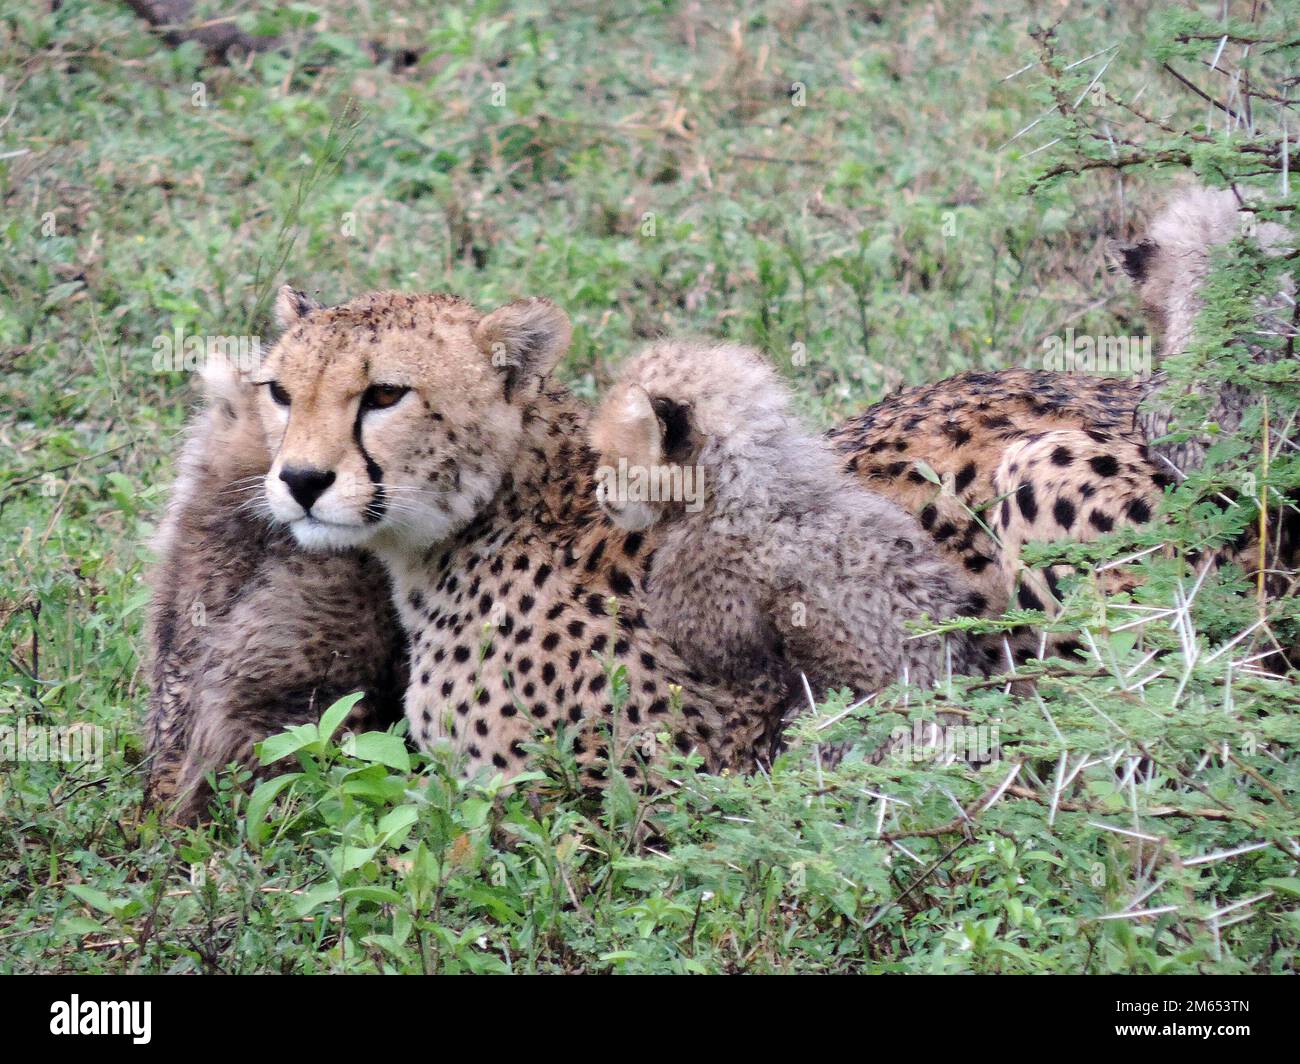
(1034, 456)
(248, 633)
(429, 433)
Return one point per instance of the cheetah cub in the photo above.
(772, 560)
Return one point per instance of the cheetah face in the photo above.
(394, 418)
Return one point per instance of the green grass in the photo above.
(647, 168)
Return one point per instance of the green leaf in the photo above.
(263, 795)
(474, 812)
(319, 895)
(381, 748)
(337, 713)
(80, 925)
(353, 857)
(926, 471)
(397, 822)
(96, 899)
(1123, 642)
(274, 747)
(379, 895)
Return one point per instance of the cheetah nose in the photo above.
(307, 485)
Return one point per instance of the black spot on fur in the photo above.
(1064, 513)
(1104, 465)
(1136, 259)
(1100, 521)
(620, 582)
(959, 434)
(1027, 503)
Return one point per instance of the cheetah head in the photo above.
(393, 418)
(683, 418)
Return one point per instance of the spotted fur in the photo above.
(1035, 456)
(248, 633)
(507, 596)
(781, 563)
(518, 597)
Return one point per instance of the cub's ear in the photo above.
(225, 385)
(292, 306)
(630, 421)
(676, 429)
(1133, 259)
(524, 340)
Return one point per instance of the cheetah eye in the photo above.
(278, 393)
(379, 396)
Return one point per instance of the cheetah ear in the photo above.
(524, 340)
(1134, 259)
(675, 425)
(224, 385)
(291, 306)
(639, 426)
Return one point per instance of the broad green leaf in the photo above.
(474, 812)
(274, 747)
(96, 899)
(353, 857)
(81, 925)
(381, 748)
(319, 895)
(379, 895)
(396, 822)
(336, 714)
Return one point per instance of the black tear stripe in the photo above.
(378, 503)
